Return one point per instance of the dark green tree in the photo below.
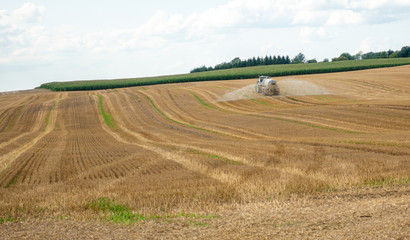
(300, 58)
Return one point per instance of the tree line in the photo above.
(300, 58)
(250, 62)
(403, 53)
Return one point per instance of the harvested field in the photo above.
(207, 157)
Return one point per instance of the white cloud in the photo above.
(23, 38)
(344, 17)
(315, 34)
(29, 13)
(364, 46)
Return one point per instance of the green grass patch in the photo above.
(194, 151)
(235, 73)
(258, 101)
(225, 159)
(107, 116)
(13, 180)
(203, 102)
(64, 217)
(115, 212)
(119, 213)
(384, 182)
(228, 88)
(7, 219)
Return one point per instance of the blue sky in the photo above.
(48, 40)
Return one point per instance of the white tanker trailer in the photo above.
(267, 86)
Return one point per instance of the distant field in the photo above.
(209, 159)
(236, 73)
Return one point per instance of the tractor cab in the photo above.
(261, 78)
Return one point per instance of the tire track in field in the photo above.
(375, 121)
(220, 175)
(163, 123)
(38, 123)
(359, 148)
(234, 110)
(355, 127)
(354, 147)
(206, 129)
(7, 159)
(172, 156)
(393, 114)
(375, 86)
(189, 117)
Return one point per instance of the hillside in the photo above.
(329, 157)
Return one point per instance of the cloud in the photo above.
(315, 34)
(344, 17)
(29, 13)
(364, 46)
(23, 38)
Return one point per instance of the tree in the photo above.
(236, 62)
(347, 56)
(343, 57)
(266, 60)
(358, 55)
(394, 55)
(312, 61)
(300, 58)
(404, 52)
(326, 60)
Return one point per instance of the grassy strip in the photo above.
(13, 120)
(119, 213)
(257, 101)
(203, 102)
(116, 213)
(235, 73)
(14, 179)
(49, 114)
(107, 116)
(384, 182)
(8, 219)
(225, 159)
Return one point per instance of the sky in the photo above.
(47, 40)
